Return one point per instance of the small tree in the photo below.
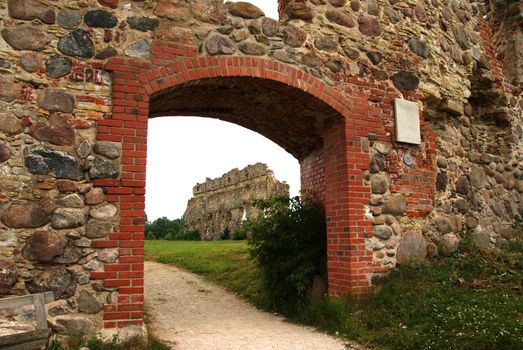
(289, 243)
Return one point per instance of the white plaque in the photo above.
(407, 122)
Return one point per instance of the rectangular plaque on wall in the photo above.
(407, 121)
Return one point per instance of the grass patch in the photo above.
(95, 343)
(471, 300)
(226, 263)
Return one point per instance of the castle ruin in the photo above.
(219, 206)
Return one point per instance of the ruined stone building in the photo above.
(222, 204)
(406, 117)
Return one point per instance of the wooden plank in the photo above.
(40, 317)
(34, 345)
(15, 302)
(25, 337)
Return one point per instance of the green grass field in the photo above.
(472, 300)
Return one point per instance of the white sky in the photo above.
(184, 150)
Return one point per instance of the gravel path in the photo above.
(192, 314)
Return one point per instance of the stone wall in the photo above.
(224, 203)
(79, 80)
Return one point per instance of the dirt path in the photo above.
(192, 314)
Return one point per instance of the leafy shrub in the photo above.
(241, 233)
(171, 230)
(289, 244)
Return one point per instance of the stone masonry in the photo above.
(80, 79)
(222, 204)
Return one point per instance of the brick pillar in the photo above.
(349, 264)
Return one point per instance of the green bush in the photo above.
(170, 230)
(289, 244)
(240, 234)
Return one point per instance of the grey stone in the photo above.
(8, 277)
(104, 213)
(340, 18)
(56, 130)
(404, 80)
(293, 36)
(481, 239)
(461, 37)
(244, 10)
(219, 45)
(26, 37)
(379, 184)
(74, 324)
(412, 248)
(87, 303)
(299, 10)
(58, 308)
(378, 163)
(143, 24)
(59, 164)
(140, 49)
(5, 64)
(382, 231)
(84, 149)
(269, 26)
(83, 243)
(107, 149)
(57, 66)
(56, 100)
(462, 185)
(97, 229)
(448, 244)
(351, 53)
(69, 19)
(68, 218)
(419, 47)
(100, 19)
(30, 61)
(27, 215)
(106, 53)
(103, 169)
(61, 282)
(443, 225)
(77, 43)
(31, 9)
(252, 49)
(95, 196)
(9, 123)
(375, 57)
(71, 255)
(325, 43)
(73, 200)
(44, 246)
(94, 265)
(5, 153)
(461, 205)
(369, 26)
(441, 182)
(395, 205)
(108, 255)
(394, 16)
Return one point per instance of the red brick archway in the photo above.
(335, 172)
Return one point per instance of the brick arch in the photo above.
(334, 171)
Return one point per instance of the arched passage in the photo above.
(301, 113)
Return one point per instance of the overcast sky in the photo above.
(184, 150)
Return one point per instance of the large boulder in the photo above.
(412, 248)
(8, 277)
(61, 282)
(44, 246)
(25, 215)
